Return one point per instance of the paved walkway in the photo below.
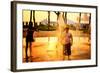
(44, 50)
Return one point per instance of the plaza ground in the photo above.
(47, 49)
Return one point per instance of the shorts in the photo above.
(67, 49)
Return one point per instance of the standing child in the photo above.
(68, 42)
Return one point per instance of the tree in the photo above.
(34, 17)
(48, 19)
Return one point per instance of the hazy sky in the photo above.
(41, 15)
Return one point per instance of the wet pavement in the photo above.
(47, 49)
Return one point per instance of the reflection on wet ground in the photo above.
(46, 49)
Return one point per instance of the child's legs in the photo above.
(65, 49)
(69, 50)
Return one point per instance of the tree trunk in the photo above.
(30, 15)
(48, 19)
(34, 16)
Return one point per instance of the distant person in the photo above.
(29, 39)
(68, 42)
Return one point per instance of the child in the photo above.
(68, 42)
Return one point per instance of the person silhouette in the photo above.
(29, 40)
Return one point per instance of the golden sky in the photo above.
(73, 16)
(41, 15)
